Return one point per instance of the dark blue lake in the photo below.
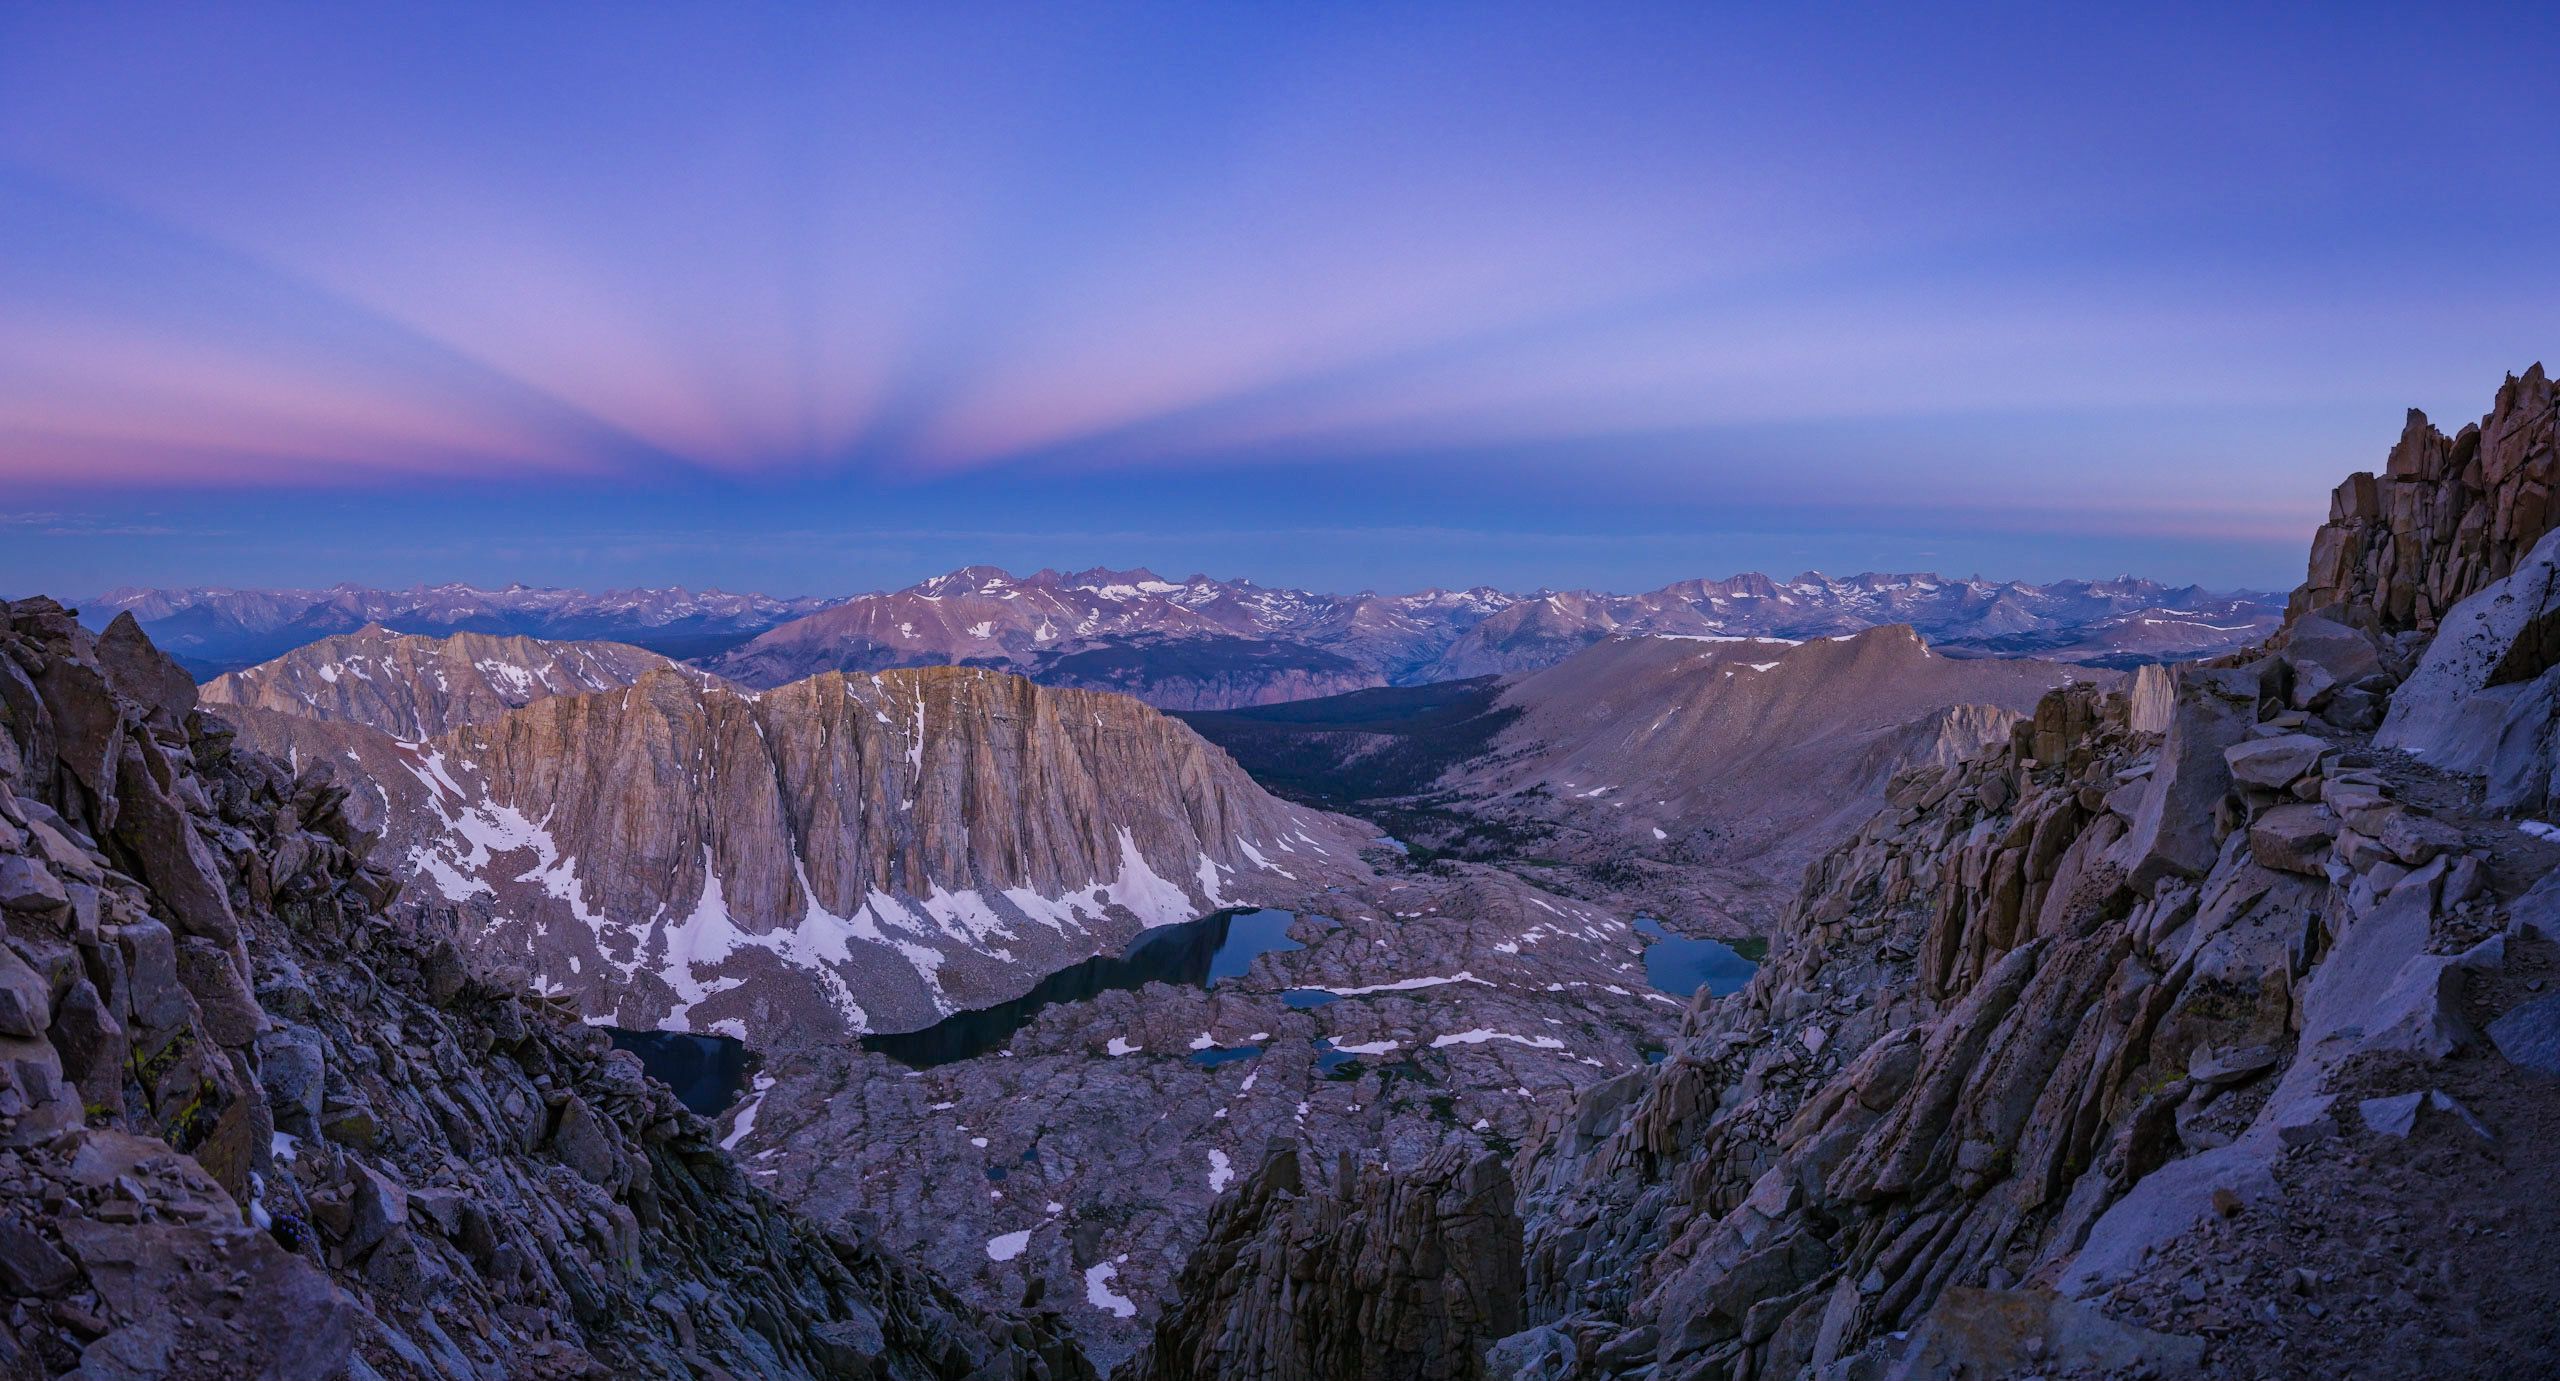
(706, 1072)
(1680, 966)
(1198, 953)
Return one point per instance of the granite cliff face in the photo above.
(416, 687)
(2176, 1035)
(846, 852)
(256, 1120)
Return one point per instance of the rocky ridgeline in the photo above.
(2187, 1032)
(2445, 517)
(255, 1124)
(1370, 1277)
(416, 688)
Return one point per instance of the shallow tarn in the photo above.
(706, 1072)
(1680, 966)
(1191, 953)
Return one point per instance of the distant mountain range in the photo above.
(211, 630)
(1203, 644)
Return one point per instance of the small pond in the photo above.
(1680, 966)
(706, 1072)
(1198, 953)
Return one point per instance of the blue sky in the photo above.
(812, 298)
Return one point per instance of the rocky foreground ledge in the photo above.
(257, 1121)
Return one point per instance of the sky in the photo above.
(825, 298)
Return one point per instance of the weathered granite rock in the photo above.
(2294, 837)
(2032, 1068)
(2272, 764)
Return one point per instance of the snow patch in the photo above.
(1099, 1294)
(1008, 1246)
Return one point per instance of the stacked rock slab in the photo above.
(257, 1121)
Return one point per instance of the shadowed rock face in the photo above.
(865, 851)
(256, 1121)
(415, 687)
(1374, 1277)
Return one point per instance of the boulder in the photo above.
(2395, 1116)
(2294, 838)
(2325, 656)
(2274, 763)
(2416, 840)
(1544, 1353)
(28, 887)
(584, 1145)
(2173, 833)
(26, 1000)
(156, 829)
(2529, 1035)
(2420, 1011)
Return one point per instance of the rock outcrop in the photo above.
(258, 1121)
(1372, 1277)
(2485, 698)
(2446, 516)
(416, 687)
(867, 851)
